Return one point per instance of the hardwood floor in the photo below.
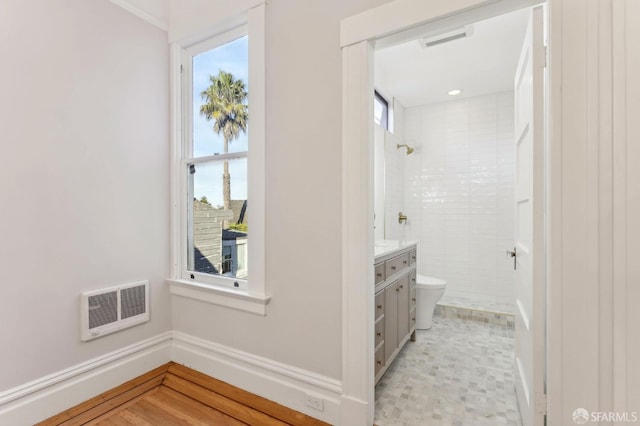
(177, 395)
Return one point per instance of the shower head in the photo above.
(409, 149)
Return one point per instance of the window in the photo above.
(380, 111)
(216, 160)
(218, 168)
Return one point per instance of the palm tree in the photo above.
(225, 102)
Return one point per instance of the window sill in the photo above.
(241, 300)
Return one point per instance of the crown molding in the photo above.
(136, 9)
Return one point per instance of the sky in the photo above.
(232, 57)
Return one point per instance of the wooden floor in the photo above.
(177, 395)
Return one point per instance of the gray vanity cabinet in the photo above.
(394, 310)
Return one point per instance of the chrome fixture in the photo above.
(402, 218)
(409, 149)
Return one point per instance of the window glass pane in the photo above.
(380, 111)
(218, 228)
(210, 99)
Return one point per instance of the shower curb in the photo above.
(487, 317)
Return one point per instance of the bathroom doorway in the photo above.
(457, 166)
(500, 102)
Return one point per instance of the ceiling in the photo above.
(482, 63)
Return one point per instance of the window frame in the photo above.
(218, 290)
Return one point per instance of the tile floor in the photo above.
(457, 373)
(478, 305)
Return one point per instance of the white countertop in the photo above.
(384, 248)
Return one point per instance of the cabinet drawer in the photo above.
(379, 359)
(412, 279)
(379, 336)
(412, 298)
(379, 311)
(396, 264)
(379, 272)
(413, 256)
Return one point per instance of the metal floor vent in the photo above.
(108, 310)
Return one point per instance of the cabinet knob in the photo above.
(379, 274)
(378, 334)
(413, 299)
(379, 362)
(379, 306)
(404, 261)
(402, 286)
(397, 289)
(393, 268)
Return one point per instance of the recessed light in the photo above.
(454, 92)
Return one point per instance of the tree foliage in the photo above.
(226, 104)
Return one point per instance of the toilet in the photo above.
(429, 291)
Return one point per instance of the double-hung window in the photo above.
(218, 167)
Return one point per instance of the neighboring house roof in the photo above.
(231, 234)
(239, 208)
(207, 236)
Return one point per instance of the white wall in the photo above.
(83, 176)
(458, 193)
(378, 181)
(303, 325)
(395, 161)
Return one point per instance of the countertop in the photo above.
(387, 248)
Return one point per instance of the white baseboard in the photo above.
(275, 381)
(52, 394)
(355, 412)
(278, 382)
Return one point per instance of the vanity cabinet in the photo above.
(394, 309)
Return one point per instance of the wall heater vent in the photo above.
(467, 31)
(111, 309)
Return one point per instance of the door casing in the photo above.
(387, 24)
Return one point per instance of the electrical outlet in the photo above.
(314, 402)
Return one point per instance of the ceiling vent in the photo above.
(111, 309)
(467, 31)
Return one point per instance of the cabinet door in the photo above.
(403, 308)
(390, 320)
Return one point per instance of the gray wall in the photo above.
(304, 109)
(84, 185)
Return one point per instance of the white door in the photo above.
(529, 222)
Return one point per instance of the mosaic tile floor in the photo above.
(457, 373)
(478, 305)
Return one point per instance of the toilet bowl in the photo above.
(429, 290)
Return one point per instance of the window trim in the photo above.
(254, 298)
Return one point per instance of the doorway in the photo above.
(453, 106)
(358, 239)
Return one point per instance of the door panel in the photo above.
(529, 232)
(390, 320)
(403, 308)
